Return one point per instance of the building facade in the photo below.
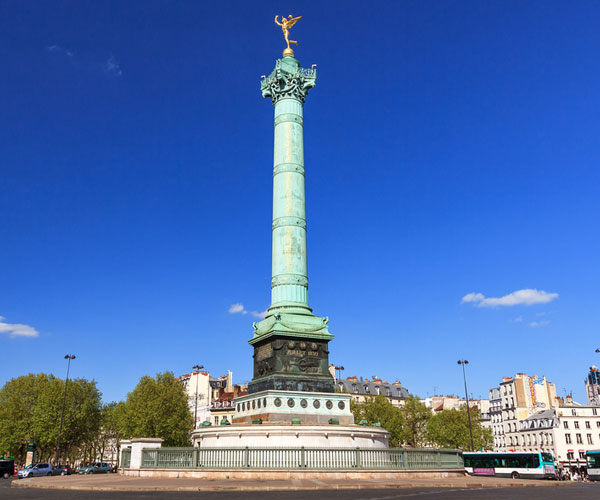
(521, 397)
(566, 432)
(495, 418)
(592, 386)
(361, 389)
(198, 389)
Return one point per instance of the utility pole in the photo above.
(62, 413)
(464, 362)
(197, 368)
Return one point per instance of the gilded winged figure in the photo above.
(286, 24)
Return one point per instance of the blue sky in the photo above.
(451, 149)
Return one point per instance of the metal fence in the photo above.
(301, 458)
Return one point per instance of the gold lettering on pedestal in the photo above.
(296, 352)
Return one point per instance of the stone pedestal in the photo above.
(291, 436)
(136, 446)
(286, 407)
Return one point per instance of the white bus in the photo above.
(535, 465)
(593, 464)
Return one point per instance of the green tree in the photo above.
(379, 409)
(112, 428)
(415, 416)
(450, 429)
(158, 407)
(30, 409)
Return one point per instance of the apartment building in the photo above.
(521, 396)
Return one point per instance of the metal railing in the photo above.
(301, 458)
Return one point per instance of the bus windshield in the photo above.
(593, 460)
(547, 458)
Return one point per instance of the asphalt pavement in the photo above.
(583, 491)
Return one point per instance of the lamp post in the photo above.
(464, 362)
(339, 369)
(62, 413)
(197, 368)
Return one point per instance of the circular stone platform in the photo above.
(291, 436)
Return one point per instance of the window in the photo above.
(594, 411)
(578, 438)
(589, 439)
(568, 438)
(587, 424)
(570, 455)
(582, 455)
(574, 412)
(598, 423)
(576, 424)
(566, 424)
(216, 420)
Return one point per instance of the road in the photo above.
(584, 491)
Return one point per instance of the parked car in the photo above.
(61, 470)
(7, 468)
(34, 470)
(96, 468)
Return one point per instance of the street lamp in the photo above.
(197, 368)
(464, 362)
(597, 350)
(339, 369)
(62, 413)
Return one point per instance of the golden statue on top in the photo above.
(286, 24)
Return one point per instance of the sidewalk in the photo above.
(115, 482)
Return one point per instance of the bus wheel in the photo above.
(515, 475)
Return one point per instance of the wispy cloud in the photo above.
(112, 67)
(527, 297)
(17, 329)
(536, 324)
(240, 309)
(518, 319)
(60, 50)
(92, 64)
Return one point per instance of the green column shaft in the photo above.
(289, 280)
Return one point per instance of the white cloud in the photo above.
(240, 309)
(237, 309)
(17, 329)
(518, 319)
(527, 297)
(112, 67)
(535, 324)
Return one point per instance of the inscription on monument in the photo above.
(296, 352)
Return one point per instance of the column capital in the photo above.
(288, 80)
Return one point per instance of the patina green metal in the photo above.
(302, 458)
(291, 344)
